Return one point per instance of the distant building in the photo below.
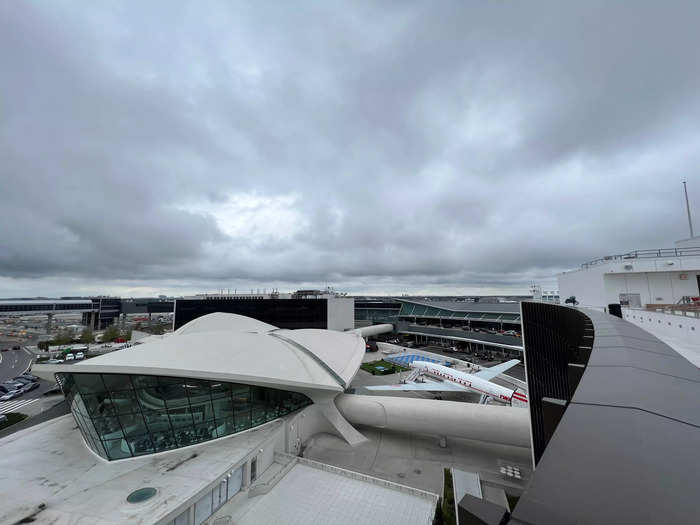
(548, 296)
(369, 311)
(303, 309)
(105, 311)
(659, 290)
(637, 279)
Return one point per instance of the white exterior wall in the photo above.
(304, 425)
(679, 329)
(657, 281)
(341, 313)
(586, 285)
(653, 288)
(665, 325)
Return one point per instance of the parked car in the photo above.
(70, 357)
(26, 377)
(10, 395)
(29, 387)
(80, 355)
(4, 350)
(7, 387)
(3, 418)
(16, 347)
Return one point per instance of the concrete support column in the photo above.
(245, 475)
(49, 323)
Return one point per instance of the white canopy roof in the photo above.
(236, 348)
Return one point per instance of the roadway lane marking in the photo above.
(31, 360)
(11, 406)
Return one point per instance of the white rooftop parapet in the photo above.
(493, 424)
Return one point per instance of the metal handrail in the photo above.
(645, 254)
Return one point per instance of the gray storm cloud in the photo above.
(406, 146)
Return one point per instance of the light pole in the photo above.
(687, 207)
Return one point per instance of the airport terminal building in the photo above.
(202, 422)
(211, 423)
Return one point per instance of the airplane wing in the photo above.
(431, 386)
(490, 373)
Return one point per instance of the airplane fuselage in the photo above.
(469, 382)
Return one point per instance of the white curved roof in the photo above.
(220, 321)
(235, 348)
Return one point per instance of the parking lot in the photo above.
(13, 363)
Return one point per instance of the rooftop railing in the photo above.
(645, 254)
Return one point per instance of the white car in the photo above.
(70, 357)
(80, 355)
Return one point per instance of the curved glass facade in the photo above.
(122, 415)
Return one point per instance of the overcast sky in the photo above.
(379, 147)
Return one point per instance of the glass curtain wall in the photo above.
(122, 415)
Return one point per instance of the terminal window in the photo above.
(123, 416)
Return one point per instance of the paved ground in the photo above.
(14, 363)
(32, 402)
(417, 461)
(43, 410)
(307, 495)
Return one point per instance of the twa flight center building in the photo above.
(209, 424)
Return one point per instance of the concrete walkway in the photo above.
(417, 461)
